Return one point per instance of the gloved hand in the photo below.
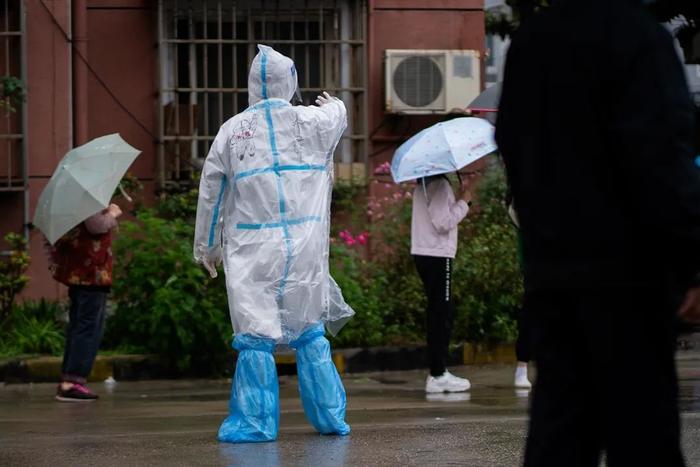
(324, 99)
(211, 268)
(211, 260)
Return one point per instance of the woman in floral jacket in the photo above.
(82, 260)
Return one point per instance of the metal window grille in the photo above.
(206, 48)
(12, 154)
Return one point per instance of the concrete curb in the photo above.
(121, 367)
(362, 360)
(32, 369)
(353, 360)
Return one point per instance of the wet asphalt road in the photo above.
(174, 423)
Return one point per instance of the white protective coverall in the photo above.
(264, 207)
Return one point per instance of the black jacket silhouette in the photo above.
(596, 128)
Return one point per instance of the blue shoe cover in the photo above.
(322, 392)
(255, 400)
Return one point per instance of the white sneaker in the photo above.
(521, 380)
(447, 382)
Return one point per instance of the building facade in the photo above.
(166, 73)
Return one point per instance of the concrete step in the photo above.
(358, 360)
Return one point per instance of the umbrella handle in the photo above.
(124, 194)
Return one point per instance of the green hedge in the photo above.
(33, 328)
(488, 286)
(165, 303)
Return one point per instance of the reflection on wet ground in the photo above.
(394, 423)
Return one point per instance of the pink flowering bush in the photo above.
(381, 285)
(360, 239)
(386, 296)
(383, 169)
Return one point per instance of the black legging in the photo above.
(436, 276)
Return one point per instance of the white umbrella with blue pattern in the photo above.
(443, 148)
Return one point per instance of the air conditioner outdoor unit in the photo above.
(431, 81)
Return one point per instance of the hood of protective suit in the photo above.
(272, 76)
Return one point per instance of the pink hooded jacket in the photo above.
(435, 219)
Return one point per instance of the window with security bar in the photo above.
(206, 47)
(12, 163)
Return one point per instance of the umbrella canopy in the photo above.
(443, 148)
(83, 184)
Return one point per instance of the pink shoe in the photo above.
(76, 393)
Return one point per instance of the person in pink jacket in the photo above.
(436, 215)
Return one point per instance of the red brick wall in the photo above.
(413, 24)
(122, 51)
(48, 131)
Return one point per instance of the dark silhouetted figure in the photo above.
(596, 129)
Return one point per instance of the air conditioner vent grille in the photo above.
(418, 80)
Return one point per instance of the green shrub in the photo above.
(33, 328)
(403, 295)
(30, 335)
(43, 310)
(178, 205)
(488, 285)
(165, 303)
(384, 288)
(348, 204)
(363, 292)
(12, 277)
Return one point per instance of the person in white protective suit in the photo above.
(264, 210)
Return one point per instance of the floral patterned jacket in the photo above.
(83, 256)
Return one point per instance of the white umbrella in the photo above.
(443, 148)
(83, 184)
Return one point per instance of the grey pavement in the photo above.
(174, 423)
